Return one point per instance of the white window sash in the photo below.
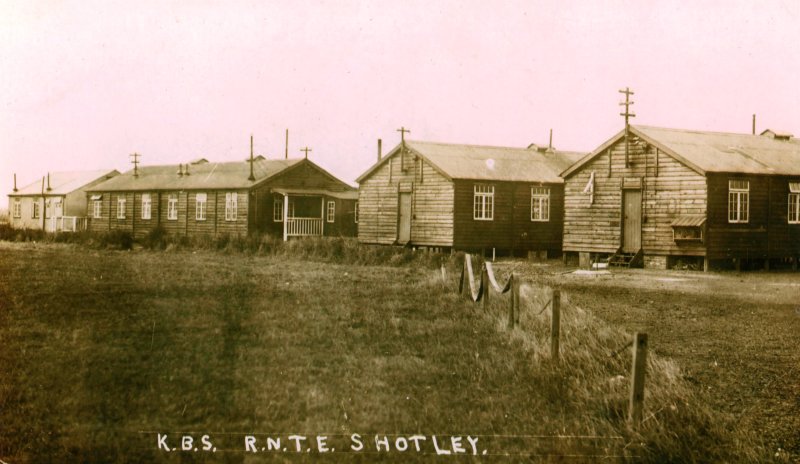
(97, 211)
(355, 213)
(331, 216)
(200, 201)
(121, 204)
(794, 208)
(277, 210)
(147, 206)
(172, 208)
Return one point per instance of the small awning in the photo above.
(97, 197)
(689, 220)
(349, 195)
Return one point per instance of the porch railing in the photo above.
(303, 227)
(66, 224)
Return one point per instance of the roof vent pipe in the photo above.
(754, 124)
(48, 182)
(252, 176)
(15, 181)
(180, 170)
(380, 154)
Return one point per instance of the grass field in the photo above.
(104, 351)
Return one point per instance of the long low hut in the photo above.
(465, 197)
(286, 198)
(685, 196)
(56, 202)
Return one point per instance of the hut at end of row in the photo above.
(660, 197)
(478, 198)
(285, 198)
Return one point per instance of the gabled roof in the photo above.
(62, 183)
(715, 151)
(227, 175)
(478, 162)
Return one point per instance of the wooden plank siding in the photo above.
(767, 234)
(432, 197)
(511, 227)
(185, 223)
(669, 190)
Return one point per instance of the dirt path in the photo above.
(736, 335)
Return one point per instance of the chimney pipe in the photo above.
(180, 170)
(48, 182)
(380, 154)
(15, 181)
(186, 173)
(550, 145)
(286, 146)
(754, 124)
(252, 177)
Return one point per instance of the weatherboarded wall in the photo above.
(185, 222)
(767, 234)
(511, 227)
(669, 190)
(432, 200)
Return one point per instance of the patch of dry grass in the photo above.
(99, 345)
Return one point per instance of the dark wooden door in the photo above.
(631, 221)
(404, 218)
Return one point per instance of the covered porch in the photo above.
(302, 212)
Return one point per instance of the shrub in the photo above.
(118, 239)
(156, 239)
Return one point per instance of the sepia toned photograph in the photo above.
(421, 231)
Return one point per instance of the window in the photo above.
(277, 210)
(483, 207)
(794, 202)
(172, 207)
(97, 209)
(35, 213)
(331, 211)
(147, 206)
(355, 213)
(59, 207)
(200, 206)
(121, 201)
(540, 204)
(230, 206)
(17, 208)
(738, 201)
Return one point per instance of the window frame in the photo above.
(147, 206)
(355, 212)
(330, 211)
(231, 205)
(122, 203)
(16, 210)
(483, 209)
(794, 197)
(540, 195)
(738, 201)
(36, 212)
(277, 210)
(172, 207)
(97, 209)
(200, 206)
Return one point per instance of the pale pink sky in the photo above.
(83, 84)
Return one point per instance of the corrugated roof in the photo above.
(62, 183)
(689, 220)
(228, 175)
(726, 152)
(478, 162)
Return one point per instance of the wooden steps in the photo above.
(621, 259)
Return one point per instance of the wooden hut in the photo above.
(56, 202)
(287, 198)
(685, 196)
(465, 197)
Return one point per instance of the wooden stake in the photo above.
(511, 304)
(555, 328)
(515, 290)
(637, 378)
(485, 286)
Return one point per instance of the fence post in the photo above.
(511, 303)
(555, 329)
(517, 284)
(637, 378)
(485, 286)
(461, 280)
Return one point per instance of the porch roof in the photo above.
(346, 195)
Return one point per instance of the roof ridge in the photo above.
(694, 131)
(450, 144)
